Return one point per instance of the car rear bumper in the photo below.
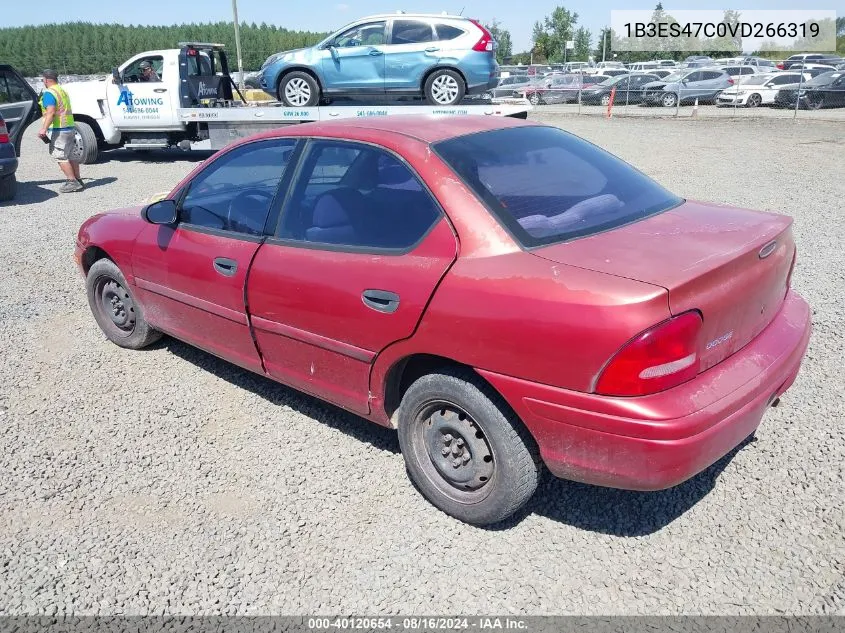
(658, 441)
(8, 166)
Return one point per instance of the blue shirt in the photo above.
(50, 100)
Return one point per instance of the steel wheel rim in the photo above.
(444, 89)
(78, 148)
(454, 452)
(116, 306)
(297, 91)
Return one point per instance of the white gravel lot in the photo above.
(167, 481)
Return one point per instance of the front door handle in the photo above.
(381, 300)
(160, 90)
(225, 266)
(431, 49)
(376, 52)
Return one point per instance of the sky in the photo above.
(515, 15)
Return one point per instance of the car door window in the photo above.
(236, 191)
(710, 74)
(132, 73)
(447, 32)
(411, 32)
(12, 89)
(696, 76)
(357, 197)
(367, 34)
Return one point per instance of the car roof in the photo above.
(382, 16)
(425, 128)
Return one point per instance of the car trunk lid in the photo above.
(731, 264)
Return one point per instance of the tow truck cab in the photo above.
(128, 110)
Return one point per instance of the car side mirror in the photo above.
(161, 212)
(115, 75)
(333, 51)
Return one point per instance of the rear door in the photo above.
(360, 249)
(18, 104)
(411, 51)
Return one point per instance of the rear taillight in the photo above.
(4, 133)
(485, 44)
(660, 358)
(779, 65)
(730, 82)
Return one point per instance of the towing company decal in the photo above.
(139, 107)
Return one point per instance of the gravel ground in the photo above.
(167, 481)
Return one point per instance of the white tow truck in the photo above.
(189, 102)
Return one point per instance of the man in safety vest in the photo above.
(58, 127)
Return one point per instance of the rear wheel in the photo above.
(754, 101)
(464, 448)
(87, 151)
(116, 311)
(8, 188)
(299, 90)
(444, 87)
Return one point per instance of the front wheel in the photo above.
(116, 311)
(535, 99)
(87, 150)
(669, 100)
(464, 448)
(815, 103)
(444, 87)
(754, 101)
(605, 100)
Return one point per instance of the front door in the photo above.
(18, 104)
(145, 102)
(191, 277)
(361, 247)
(355, 61)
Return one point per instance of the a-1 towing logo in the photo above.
(138, 105)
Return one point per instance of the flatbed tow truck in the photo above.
(190, 104)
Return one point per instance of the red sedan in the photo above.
(503, 293)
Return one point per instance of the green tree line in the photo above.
(83, 48)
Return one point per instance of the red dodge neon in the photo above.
(502, 292)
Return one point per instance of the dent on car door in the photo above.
(18, 104)
(411, 51)
(361, 247)
(191, 277)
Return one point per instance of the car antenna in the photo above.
(462, 10)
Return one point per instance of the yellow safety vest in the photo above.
(63, 117)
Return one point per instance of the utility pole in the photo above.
(603, 43)
(238, 45)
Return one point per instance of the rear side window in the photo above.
(548, 186)
(447, 32)
(711, 74)
(411, 32)
(12, 89)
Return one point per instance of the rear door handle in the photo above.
(225, 266)
(160, 90)
(381, 300)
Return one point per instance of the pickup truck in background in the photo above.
(190, 104)
(18, 108)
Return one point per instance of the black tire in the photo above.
(298, 89)
(444, 87)
(105, 284)
(815, 103)
(87, 149)
(8, 188)
(492, 460)
(754, 101)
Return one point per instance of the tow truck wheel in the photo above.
(87, 150)
(299, 90)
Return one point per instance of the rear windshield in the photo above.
(546, 185)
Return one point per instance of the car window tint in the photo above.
(411, 32)
(12, 89)
(378, 202)
(235, 192)
(547, 186)
(447, 32)
(368, 34)
(132, 73)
